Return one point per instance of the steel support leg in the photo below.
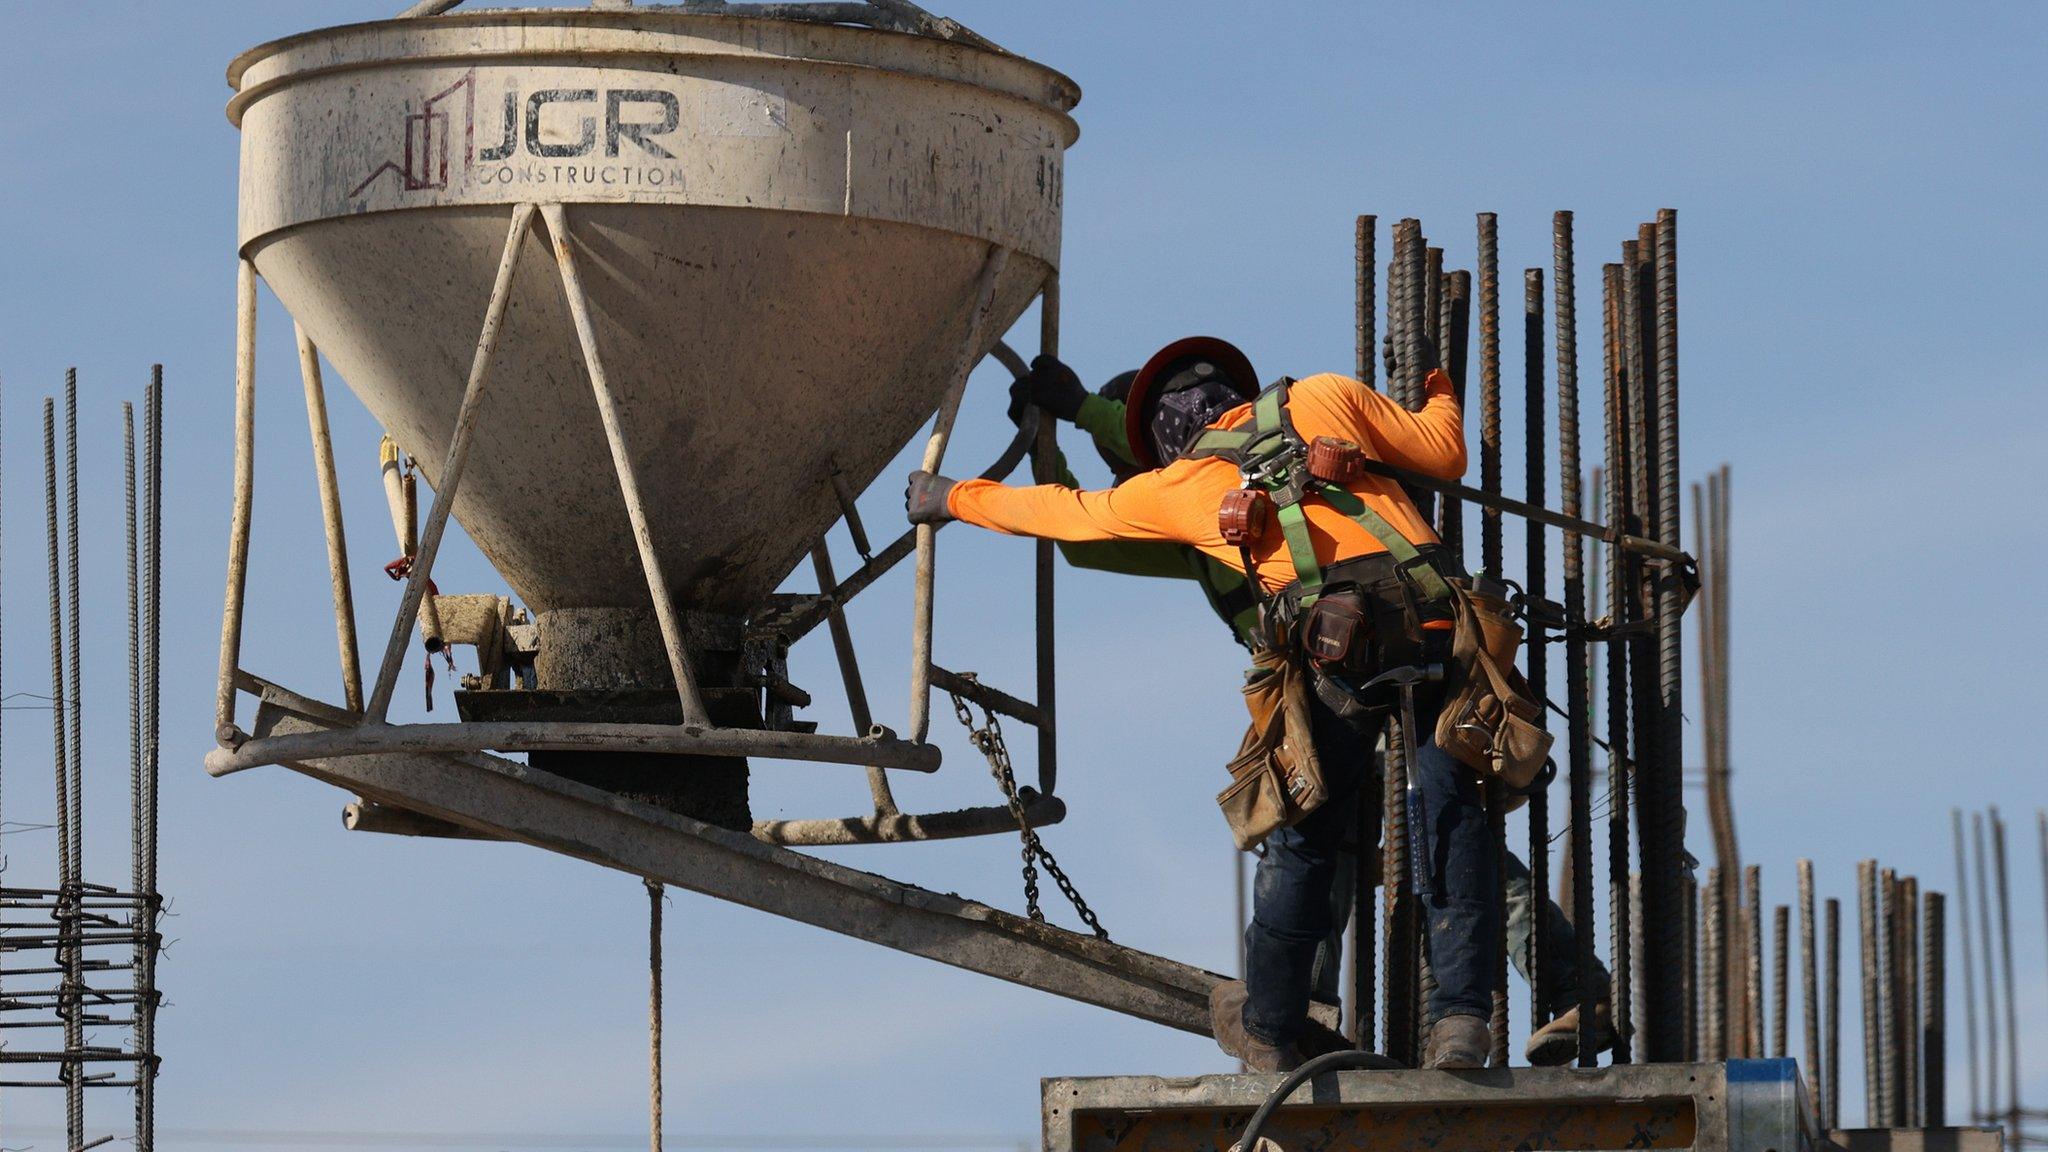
(934, 456)
(450, 478)
(330, 517)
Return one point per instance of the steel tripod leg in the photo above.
(450, 477)
(927, 534)
(629, 484)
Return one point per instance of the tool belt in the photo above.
(1276, 778)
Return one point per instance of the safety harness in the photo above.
(1281, 472)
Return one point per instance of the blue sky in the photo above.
(1862, 271)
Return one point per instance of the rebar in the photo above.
(1817, 1073)
(1364, 306)
(1781, 987)
(1455, 344)
(1991, 1113)
(145, 1088)
(653, 1015)
(1578, 698)
(1618, 660)
(1934, 1011)
(1831, 1110)
(1489, 393)
(74, 656)
(1533, 576)
(1402, 1021)
(1044, 469)
(1692, 972)
(1974, 1109)
(1890, 998)
(1715, 1039)
(1874, 1115)
(1753, 956)
(2013, 1108)
(1909, 1002)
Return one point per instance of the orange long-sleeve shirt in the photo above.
(1178, 503)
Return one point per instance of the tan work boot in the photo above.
(1457, 1042)
(1558, 1041)
(1226, 1020)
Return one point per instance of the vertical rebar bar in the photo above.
(1889, 999)
(1578, 697)
(3, 692)
(1618, 659)
(1455, 342)
(1817, 1073)
(1489, 392)
(1973, 1110)
(1692, 972)
(1781, 976)
(653, 1015)
(1364, 307)
(1045, 469)
(1934, 1011)
(59, 713)
(1362, 949)
(1991, 1114)
(134, 656)
(1753, 943)
(1831, 1060)
(1909, 1002)
(2013, 1108)
(1402, 961)
(1534, 574)
(1433, 298)
(1714, 915)
(152, 632)
(1661, 796)
(1873, 1033)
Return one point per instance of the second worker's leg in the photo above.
(1460, 917)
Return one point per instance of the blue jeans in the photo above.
(1560, 941)
(1291, 905)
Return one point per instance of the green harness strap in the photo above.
(1272, 455)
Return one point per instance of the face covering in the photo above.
(1194, 397)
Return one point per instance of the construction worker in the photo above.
(1053, 388)
(1177, 397)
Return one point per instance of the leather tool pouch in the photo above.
(1336, 635)
(1490, 720)
(1276, 778)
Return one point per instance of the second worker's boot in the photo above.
(1458, 1042)
(1558, 1041)
(1226, 1020)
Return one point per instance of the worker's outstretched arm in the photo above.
(1123, 557)
(1134, 510)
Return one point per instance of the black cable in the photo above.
(1327, 1062)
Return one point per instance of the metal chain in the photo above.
(988, 739)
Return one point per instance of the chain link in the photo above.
(988, 739)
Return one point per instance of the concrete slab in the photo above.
(1739, 1106)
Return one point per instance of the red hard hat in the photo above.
(1236, 366)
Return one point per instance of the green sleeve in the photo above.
(1103, 419)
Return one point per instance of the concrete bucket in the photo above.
(648, 294)
(779, 226)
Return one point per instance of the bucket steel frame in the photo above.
(877, 748)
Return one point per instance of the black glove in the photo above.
(1051, 387)
(1393, 360)
(924, 499)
